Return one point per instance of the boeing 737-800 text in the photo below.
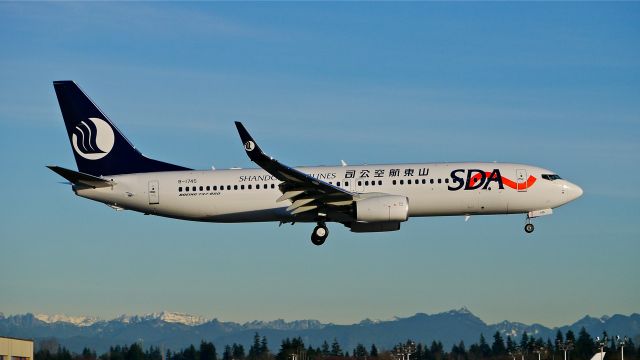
(364, 198)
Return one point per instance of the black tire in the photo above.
(319, 235)
(528, 228)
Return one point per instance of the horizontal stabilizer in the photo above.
(78, 178)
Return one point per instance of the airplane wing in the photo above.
(78, 178)
(305, 192)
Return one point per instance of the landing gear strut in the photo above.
(319, 234)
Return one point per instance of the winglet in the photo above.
(253, 150)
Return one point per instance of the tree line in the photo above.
(527, 347)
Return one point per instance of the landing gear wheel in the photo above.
(319, 235)
(528, 228)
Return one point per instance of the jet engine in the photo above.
(384, 208)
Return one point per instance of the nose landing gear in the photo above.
(528, 228)
(319, 234)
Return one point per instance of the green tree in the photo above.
(360, 351)
(559, 340)
(237, 351)
(254, 350)
(497, 348)
(336, 350)
(207, 351)
(374, 351)
(325, 348)
(227, 354)
(585, 347)
(135, 352)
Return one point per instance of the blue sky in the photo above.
(549, 84)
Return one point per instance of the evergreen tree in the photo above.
(497, 348)
(238, 351)
(325, 348)
(360, 351)
(264, 348)
(207, 351)
(374, 351)
(436, 350)
(189, 353)
(485, 350)
(585, 347)
(254, 350)
(228, 353)
(524, 341)
(559, 340)
(510, 345)
(335, 348)
(135, 352)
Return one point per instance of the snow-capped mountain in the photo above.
(175, 330)
(166, 316)
(75, 320)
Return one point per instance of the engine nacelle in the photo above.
(384, 208)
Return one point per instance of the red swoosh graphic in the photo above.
(506, 181)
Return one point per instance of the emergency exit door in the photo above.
(154, 192)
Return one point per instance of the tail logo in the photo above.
(249, 145)
(93, 139)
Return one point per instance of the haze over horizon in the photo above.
(550, 84)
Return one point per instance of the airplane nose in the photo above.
(573, 191)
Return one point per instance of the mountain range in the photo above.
(172, 330)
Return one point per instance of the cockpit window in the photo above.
(551, 177)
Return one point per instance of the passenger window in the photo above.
(241, 187)
(208, 187)
(379, 182)
(394, 182)
(401, 182)
(193, 188)
(180, 189)
(439, 181)
(215, 187)
(366, 183)
(409, 182)
(346, 183)
(249, 186)
(359, 183)
(446, 180)
(265, 186)
(201, 188)
(338, 183)
(235, 187)
(273, 186)
(431, 181)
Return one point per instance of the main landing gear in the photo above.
(320, 234)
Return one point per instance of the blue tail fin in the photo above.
(98, 146)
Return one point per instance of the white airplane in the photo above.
(364, 198)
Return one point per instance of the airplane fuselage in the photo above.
(249, 195)
(364, 198)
